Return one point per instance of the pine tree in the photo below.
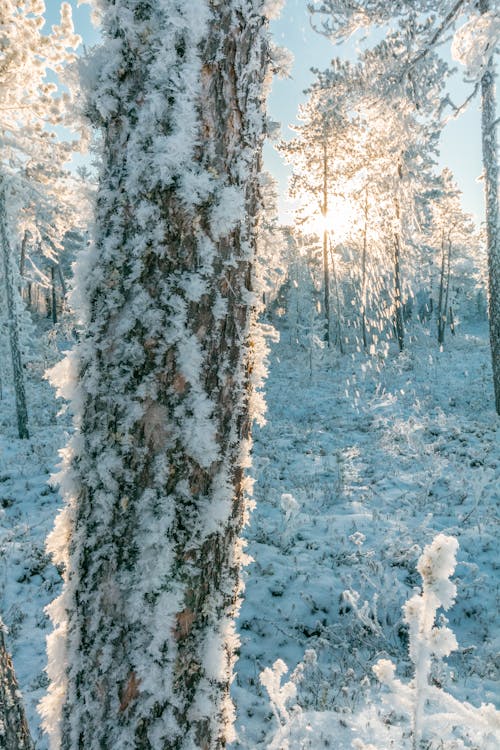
(154, 478)
(476, 44)
(27, 149)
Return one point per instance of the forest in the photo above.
(249, 432)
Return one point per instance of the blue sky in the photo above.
(460, 144)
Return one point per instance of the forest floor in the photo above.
(360, 465)
(362, 462)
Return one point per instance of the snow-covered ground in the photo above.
(360, 465)
(28, 505)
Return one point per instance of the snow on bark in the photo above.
(14, 732)
(154, 483)
(13, 320)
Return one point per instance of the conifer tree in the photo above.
(28, 102)
(154, 478)
(476, 44)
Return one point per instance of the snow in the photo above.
(348, 499)
(416, 455)
(474, 42)
(359, 472)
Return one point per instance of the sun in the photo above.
(339, 221)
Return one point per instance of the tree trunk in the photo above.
(22, 259)
(441, 312)
(12, 321)
(398, 291)
(490, 161)
(326, 270)
(447, 294)
(14, 732)
(155, 484)
(53, 304)
(364, 274)
(398, 296)
(337, 301)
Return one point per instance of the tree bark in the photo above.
(337, 301)
(22, 259)
(156, 485)
(364, 274)
(398, 292)
(12, 321)
(326, 270)
(14, 732)
(441, 316)
(490, 161)
(53, 301)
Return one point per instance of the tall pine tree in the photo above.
(154, 478)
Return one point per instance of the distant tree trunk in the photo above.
(14, 732)
(448, 280)
(22, 259)
(62, 280)
(156, 483)
(337, 301)
(398, 292)
(441, 311)
(12, 321)
(490, 160)
(53, 294)
(364, 274)
(326, 270)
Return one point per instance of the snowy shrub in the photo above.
(279, 696)
(290, 508)
(415, 716)
(446, 719)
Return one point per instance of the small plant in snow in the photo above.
(446, 718)
(290, 507)
(279, 696)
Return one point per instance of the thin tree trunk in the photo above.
(53, 294)
(490, 161)
(12, 320)
(441, 311)
(364, 274)
(398, 291)
(62, 280)
(447, 295)
(326, 270)
(22, 259)
(398, 296)
(14, 732)
(337, 301)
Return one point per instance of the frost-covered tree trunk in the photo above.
(154, 479)
(490, 160)
(441, 316)
(364, 276)
(53, 295)
(12, 321)
(326, 268)
(14, 732)
(398, 291)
